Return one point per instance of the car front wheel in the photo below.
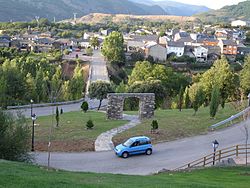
(148, 151)
(125, 154)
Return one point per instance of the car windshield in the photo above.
(128, 143)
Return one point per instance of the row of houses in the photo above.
(201, 46)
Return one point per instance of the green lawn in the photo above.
(174, 124)
(20, 175)
(72, 135)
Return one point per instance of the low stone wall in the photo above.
(116, 102)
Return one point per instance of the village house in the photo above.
(240, 23)
(136, 42)
(201, 53)
(158, 52)
(228, 47)
(177, 48)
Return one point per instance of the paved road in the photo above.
(166, 155)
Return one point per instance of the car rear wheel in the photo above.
(148, 151)
(125, 154)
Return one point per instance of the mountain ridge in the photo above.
(227, 13)
(26, 10)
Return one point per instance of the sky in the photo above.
(214, 4)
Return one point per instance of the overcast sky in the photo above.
(214, 4)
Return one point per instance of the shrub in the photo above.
(89, 124)
(154, 125)
(85, 106)
(14, 138)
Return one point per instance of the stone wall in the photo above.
(116, 102)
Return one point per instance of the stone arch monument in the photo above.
(116, 102)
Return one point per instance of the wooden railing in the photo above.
(217, 156)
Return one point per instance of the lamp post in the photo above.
(215, 146)
(33, 117)
(31, 107)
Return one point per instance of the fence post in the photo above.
(219, 155)
(237, 151)
(204, 162)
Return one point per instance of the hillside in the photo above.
(118, 18)
(26, 10)
(227, 13)
(175, 8)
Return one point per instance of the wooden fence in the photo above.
(217, 156)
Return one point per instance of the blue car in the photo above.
(135, 145)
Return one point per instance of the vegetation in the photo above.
(175, 125)
(215, 101)
(85, 106)
(227, 13)
(112, 48)
(14, 138)
(99, 90)
(57, 117)
(70, 135)
(26, 175)
(89, 124)
(154, 125)
(245, 76)
(25, 76)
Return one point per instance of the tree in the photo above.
(94, 42)
(112, 48)
(77, 84)
(85, 106)
(245, 76)
(57, 117)
(221, 75)
(215, 101)
(99, 90)
(186, 98)
(14, 138)
(149, 86)
(89, 124)
(180, 99)
(89, 51)
(154, 125)
(197, 96)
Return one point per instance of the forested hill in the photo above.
(228, 13)
(26, 10)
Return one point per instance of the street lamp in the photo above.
(31, 107)
(33, 117)
(215, 146)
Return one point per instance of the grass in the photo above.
(174, 124)
(20, 175)
(71, 134)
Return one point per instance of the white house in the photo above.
(201, 53)
(237, 23)
(164, 40)
(175, 47)
(155, 50)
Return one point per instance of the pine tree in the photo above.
(180, 99)
(57, 117)
(186, 98)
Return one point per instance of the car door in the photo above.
(134, 148)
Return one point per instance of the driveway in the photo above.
(169, 155)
